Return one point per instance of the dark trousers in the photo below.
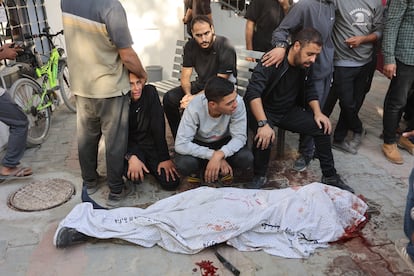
(408, 221)
(149, 157)
(395, 101)
(300, 121)
(306, 142)
(350, 86)
(171, 103)
(188, 165)
(107, 117)
(333, 97)
(13, 116)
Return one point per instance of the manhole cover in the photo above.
(41, 195)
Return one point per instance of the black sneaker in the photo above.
(301, 163)
(344, 146)
(257, 182)
(336, 181)
(69, 236)
(115, 200)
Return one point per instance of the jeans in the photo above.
(171, 103)
(306, 142)
(300, 121)
(188, 165)
(107, 117)
(408, 221)
(13, 116)
(350, 87)
(149, 156)
(396, 99)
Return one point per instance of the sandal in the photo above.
(17, 173)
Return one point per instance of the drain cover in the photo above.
(41, 195)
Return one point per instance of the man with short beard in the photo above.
(272, 100)
(209, 55)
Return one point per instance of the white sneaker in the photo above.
(400, 246)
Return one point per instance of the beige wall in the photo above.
(155, 26)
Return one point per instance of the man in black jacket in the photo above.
(147, 147)
(273, 98)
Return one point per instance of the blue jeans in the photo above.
(107, 117)
(408, 221)
(13, 116)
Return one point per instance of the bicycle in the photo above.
(39, 100)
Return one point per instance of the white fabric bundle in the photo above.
(290, 222)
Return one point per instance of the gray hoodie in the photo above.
(317, 14)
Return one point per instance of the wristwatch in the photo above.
(262, 123)
(281, 44)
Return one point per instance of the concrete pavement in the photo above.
(26, 237)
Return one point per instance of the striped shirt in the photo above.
(398, 37)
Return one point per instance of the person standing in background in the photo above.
(194, 8)
(398, 51)
(358, 26)
(262, 17)
(99, 31)
(13, 116)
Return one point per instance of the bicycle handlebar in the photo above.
(47, 34)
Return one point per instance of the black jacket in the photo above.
(264, 81)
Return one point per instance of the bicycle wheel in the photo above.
(64, 84)
(27, 94)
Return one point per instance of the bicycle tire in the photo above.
(27, 94)
(64, 86)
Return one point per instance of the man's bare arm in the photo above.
(249, 34)
(186, 79)
(132, 62)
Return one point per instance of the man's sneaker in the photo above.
(344, 146)
(115, 200)
(336, 181)
(401, 247)
(406, 144)
(301, 163)
(91, 188)
(357, 139)
(69, 236)
(226, 181)
(257, 182)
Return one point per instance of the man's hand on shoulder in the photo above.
(186, 100)
(274, 57)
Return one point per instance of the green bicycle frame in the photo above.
(50, 69)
